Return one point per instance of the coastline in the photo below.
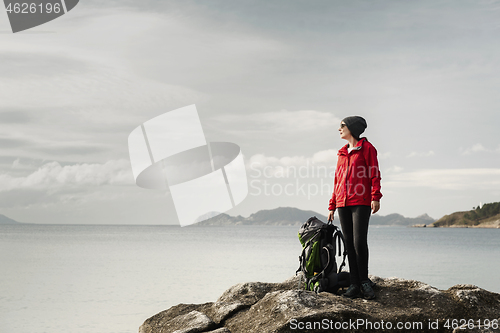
(493, 225)
(489, 226)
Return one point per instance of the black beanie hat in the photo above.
(356, 125)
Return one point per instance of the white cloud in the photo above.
(474, 149)
(54, 176)
(394, 169)
(282, 122)
(98, 94)
(421, 154)
(16, 164)
(451, 179)
(77, 91)
(384, 155)
(323, 157)
(320, 164)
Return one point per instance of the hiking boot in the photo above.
(367, 290)
(353, 291)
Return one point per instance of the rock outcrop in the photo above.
(401, 305)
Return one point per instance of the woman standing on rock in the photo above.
(356, 195)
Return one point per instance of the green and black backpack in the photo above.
(317, 260)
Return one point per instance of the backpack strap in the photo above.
(302, 257)
(302, 260)
(322, 273)
(340, 239)
(328, 238)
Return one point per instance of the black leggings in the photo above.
(354, 221)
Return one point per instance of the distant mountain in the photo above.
(400, 220)
(486, 216)
(277, 216)
(5, 220)
(295, 217)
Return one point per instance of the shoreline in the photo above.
(495, 225)
(490, 226)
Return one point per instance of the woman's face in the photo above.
(344, 131)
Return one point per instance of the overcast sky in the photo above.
(274, 77)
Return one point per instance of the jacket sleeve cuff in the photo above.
(331, 205)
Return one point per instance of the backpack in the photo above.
(317, 260)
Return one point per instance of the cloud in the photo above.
(39, 65)
(323, 157)
(384, 155)
(73, 148)
(13, 143)
(394, 169)
(320, 164)
(84, 89)
(53, 176)
(16, 164)
(450, 179)
(9, 116)
(421, 154)
(280, 122)
(81, 114)
(100, 94)
(477, 148)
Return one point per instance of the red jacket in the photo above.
(357, 176)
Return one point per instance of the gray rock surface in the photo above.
(283, 307)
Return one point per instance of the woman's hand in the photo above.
(330, 216)
(375, 206)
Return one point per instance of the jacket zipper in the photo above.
(346, 174)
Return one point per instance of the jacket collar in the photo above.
(359, 145)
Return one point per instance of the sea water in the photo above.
(109, 279)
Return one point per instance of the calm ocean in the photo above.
(109, 279)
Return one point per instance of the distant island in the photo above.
(400, 220)
(485, 216)
(278, 216)
(295, 217)
(5, 220)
